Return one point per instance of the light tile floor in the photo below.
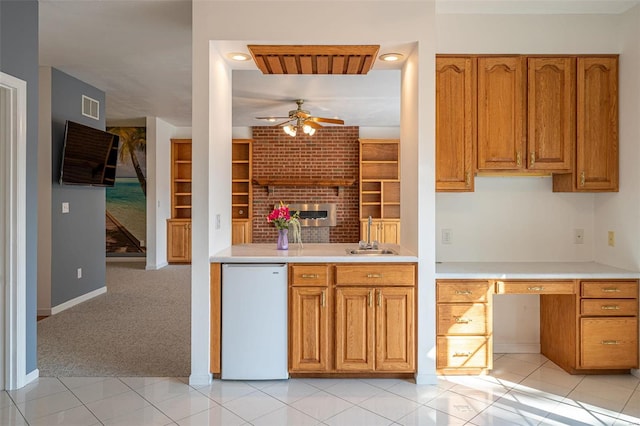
(523, 389)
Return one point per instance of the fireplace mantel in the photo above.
(293, 181)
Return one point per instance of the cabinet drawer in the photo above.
(609, 307)
(309, 275)
(462, 318)
(374, 274)
(463, 291)
(462, 352)
(609, 343)
(610, 289)
(535, 287)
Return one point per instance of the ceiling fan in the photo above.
(301, 119)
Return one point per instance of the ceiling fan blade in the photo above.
(326, 120)
(313, 124)
(301, 114)
(282, 124)
(271, 118)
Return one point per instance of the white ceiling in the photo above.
(139, 53)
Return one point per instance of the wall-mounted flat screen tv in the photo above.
(89, 156)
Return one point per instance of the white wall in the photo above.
(520, 218)
(620, 212)
(352, 22)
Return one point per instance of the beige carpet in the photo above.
(140, 327)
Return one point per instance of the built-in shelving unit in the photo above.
(241, 190)
(380, 188)
(179, 226)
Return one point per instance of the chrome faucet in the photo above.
(369, 232)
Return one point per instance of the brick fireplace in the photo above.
(330, 154)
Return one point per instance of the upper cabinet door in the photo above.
(455, 123)
(501, 113)
(597, 135)
(551, 111)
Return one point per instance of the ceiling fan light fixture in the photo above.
(391, 57)
(290, 130)
(308, 130)
(239, 56)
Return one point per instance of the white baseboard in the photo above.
(68, 304)
(156, 267)
(32, 376)
(516, 348)
(126, 259)
(200, 379)
(426, 379)
(44, 312)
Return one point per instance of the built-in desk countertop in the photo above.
(531, 271)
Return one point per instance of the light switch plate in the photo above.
(65, 207)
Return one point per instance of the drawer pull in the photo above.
(310, 275)
(610, 307)
(535, 288)
(462, 354)
(610, 342)
(462, 320)
(464, 292)
(611, 290)
(374, 275)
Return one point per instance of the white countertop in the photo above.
(530, 270)
(308, 253)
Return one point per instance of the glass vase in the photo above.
(283, 239)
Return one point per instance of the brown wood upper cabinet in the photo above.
(596, 154)
(527, 114)
(455, 123)
(501, 113)
(551, 84)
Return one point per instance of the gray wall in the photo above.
(77, 237)
(19, 58)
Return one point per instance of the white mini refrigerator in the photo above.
(254, 322)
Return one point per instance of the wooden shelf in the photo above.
(272, 183)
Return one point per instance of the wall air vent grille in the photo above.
(90, 107)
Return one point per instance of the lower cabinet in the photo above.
(382, 230)
(586, 326)
(240, 231)
(464, 326)
(354, 328)
(309, 318)
(179, 240)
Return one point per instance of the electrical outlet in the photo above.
(611, 238)
(447, 236)
(79, 273)
(578, 236)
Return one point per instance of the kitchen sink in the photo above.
(371, 251)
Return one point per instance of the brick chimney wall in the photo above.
(331, 153)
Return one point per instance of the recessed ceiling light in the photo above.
(238, 56)
(391, 57)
